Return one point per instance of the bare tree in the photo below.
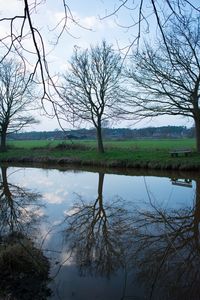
(91, 88)
(23, 26)
(165, 80)
(15, 99)
(144, 16)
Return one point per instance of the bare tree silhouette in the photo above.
(143, 16)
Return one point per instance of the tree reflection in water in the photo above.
(24, 269)
(19, 208)
(168, 250)
(97, 232)
(159, 246)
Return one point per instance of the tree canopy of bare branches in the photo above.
(165, 80)
(90, 90)
(15, 99)
(23, 26)
(146, 16)
(25, 37)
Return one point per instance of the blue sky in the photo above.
(92, 29)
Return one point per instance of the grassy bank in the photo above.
(136, 154)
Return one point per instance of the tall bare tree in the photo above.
(91, 88)
(23, 26)
(165, 80)
(15, 99)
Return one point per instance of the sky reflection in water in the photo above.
(115, 236)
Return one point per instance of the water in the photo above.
(100, 236)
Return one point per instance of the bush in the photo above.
(78, 147)
(24, 270)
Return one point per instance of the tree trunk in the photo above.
(100, 185)
(197, 214)
(100, 140)
(102, 212)
(6, 189)
(197, 130)
(9, 198)
(3, 141)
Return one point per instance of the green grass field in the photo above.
(135, 153)
(132, 144)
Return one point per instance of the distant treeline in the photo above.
(108, 133)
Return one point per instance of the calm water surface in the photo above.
(104, 236)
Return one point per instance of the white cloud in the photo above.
(38, 181)
(72, 211)
(90, 22)
(94, 23)
(66, 258)
(53, 198)
(4, 30)
(28, 211)
(11, 7)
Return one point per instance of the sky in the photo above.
(91, 28)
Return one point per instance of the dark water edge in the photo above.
(127, 171)
(125, 164)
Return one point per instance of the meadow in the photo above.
(131, 153)
(165, 144)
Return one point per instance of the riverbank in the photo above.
(157, 157)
